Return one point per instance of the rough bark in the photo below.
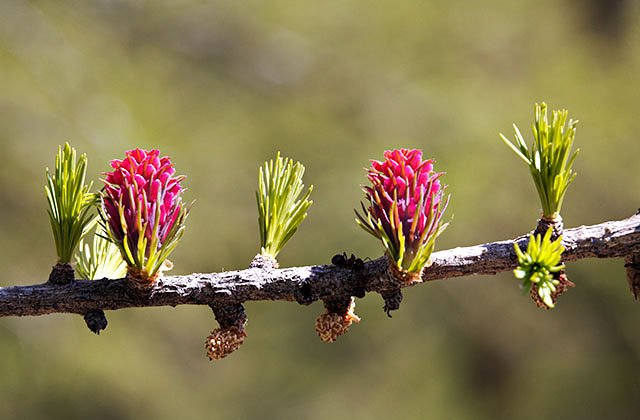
(306, 284)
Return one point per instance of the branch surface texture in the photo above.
(306, 284)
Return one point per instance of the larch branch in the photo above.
(306, 284)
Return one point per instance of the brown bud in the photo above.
(222, 342)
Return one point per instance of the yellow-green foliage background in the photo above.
(220, 86)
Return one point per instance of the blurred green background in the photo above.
(221, 86)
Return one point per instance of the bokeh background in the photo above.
(221, 86)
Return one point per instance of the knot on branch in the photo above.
(632, 264)
(337, 319)
(230, 334)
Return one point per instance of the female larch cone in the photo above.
(142, 212)
(405, 205)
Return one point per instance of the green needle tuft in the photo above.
(70, 202)
(281, 208)
(549, 159)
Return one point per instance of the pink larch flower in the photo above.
(406, 204)
(143, 211)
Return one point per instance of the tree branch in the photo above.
(306, 284)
